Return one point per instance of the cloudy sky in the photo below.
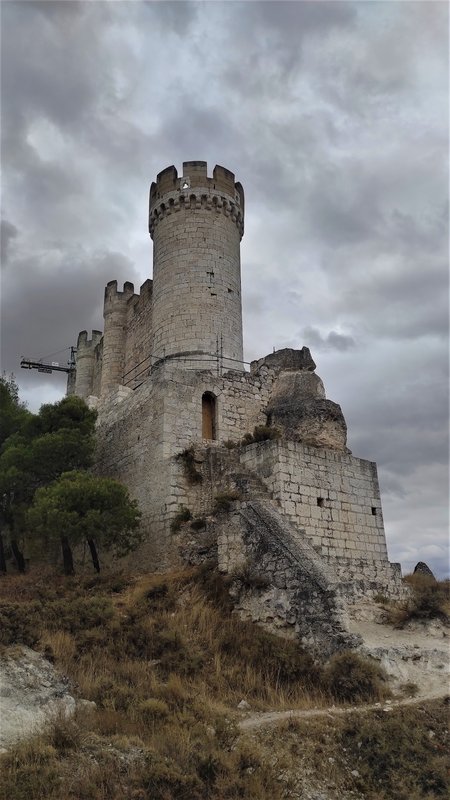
(333, 115)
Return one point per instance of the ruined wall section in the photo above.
(287, 586)
(335, 498)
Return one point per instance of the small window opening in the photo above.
(374, 511)
(208, 416)
(185, 183)
(320, 502)
(230, 291)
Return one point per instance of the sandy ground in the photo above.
(419, 654)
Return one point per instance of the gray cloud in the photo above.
(8, 233)
(333, 116)
(332, 341)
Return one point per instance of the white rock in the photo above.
(31, 692)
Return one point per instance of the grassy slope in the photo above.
(166, 663)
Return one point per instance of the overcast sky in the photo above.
(334, 117)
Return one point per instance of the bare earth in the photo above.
(419, 654)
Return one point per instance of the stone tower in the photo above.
(84, 376)
(196, 224)
(180, 422)
(115, 333)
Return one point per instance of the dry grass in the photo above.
(400, 755)
(429, 599)
(166, 662)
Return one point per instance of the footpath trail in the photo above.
(263, 718)
(418, 655)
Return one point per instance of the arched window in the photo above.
(208, 416)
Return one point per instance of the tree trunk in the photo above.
(67, 556)
(18, 555)
(2, 556)
(94, 554)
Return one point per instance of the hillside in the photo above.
(167, 665)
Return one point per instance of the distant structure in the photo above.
(175, 402)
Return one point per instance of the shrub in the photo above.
(166, 779)
(381, 599)
(349, 677)
(198, 524)
(230, 444)
(153, 709)
(187, 458)
(19, 623)
(63, 733)
(429, 599)
(381, 745)
(223, 501)
(248, 578)
(261, 433)
(183, 515)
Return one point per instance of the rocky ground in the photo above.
(418, 653)
(31, 692)
(416, 659)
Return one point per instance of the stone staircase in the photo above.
(258, 513)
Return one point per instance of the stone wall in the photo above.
(335, 498)
(129, 448)
(196, 224)
(139, 337)
(280, 581)
(86, 362)
(140, 432)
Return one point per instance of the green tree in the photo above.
(45, 445)
(13, 413)
(81, 507)
(13, 416)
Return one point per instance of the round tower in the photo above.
(85, 361)
(115, 311)
(196, 224)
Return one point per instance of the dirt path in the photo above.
(418, 654)
(261, 719)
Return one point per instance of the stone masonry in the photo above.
(167, 377)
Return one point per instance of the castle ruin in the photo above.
(175, 402)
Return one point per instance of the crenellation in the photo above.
(167, 375)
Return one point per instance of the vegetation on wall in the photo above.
(261, 433)
(187, 458)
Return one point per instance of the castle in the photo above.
(175, 402)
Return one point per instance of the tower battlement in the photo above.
(168, 373)
(194, 189)
(196, 223)
(113, 297)
(167, 180)
(84, 343)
